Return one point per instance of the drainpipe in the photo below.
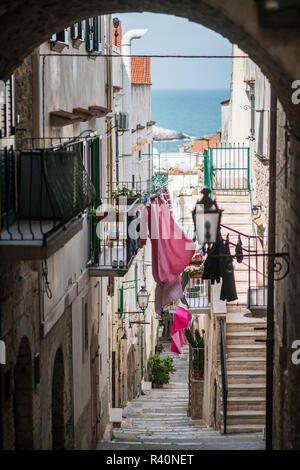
(271, 249)
(126, 50)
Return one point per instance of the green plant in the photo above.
(160, 348)
(160, 369)
(125, 192)
(194, 269)
(197, 344)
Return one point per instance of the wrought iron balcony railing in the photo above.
(42, 191)
(196, 293)
(114, 237)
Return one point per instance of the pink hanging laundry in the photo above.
(172, 251)
(181, 321)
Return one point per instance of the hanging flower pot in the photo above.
(194, 271)
(197, 260)
(196, 276)
(126, 200)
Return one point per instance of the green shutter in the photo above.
(121, 300)
(97, 183)
(89, 38)
(74, 31)
(95, 36)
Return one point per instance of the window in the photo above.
(7, 112)
(97, 34)
(78, 30)
(63, 36)
(89, 38)
(93, 34)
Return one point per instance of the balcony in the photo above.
(114, 237)
(43, 196)
(197, 295)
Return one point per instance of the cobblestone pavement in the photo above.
(158, 421)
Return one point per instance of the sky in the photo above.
(173, 35)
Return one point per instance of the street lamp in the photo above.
(143, 298)
(116, 23)
(207, 218)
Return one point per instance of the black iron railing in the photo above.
(115, 237)
(41, 190)
(224, 379)
(253, 251)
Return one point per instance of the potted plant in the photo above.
(197, 344)
(160, 348)
(111, 214)
(194, 271)
(160, 370)
(121, 193)
(197, 259)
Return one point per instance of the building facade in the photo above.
(64, 123)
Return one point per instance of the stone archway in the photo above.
(23, 396)
(24, 25)
(57, 407)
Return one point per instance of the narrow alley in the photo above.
(149, 225)
(158, 420)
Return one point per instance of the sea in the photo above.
(192, 112)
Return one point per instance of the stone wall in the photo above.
(20, 318)
(286, 407)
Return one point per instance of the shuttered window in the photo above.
(93, 34)
(7, 116)
(63, 36)
(89, 39)
(78, 30)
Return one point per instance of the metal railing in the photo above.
(41, 190)
(253, 249)
(114, 234)
(196, 293)
(224, 379)
(227, 168)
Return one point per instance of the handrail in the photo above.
(224, 375)
(239, 233)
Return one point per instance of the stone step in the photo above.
(233, 219)
(246, 390)
(239, 350)
(244, 337)
(243, 207)
(234, 199)
(245, 327)
(245, 417)
(246, 403)
(246, 363)
(241, 428)
(245, 376)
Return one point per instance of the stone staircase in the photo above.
(237, 215)
(157, 420)
(246, 359)
(246, 373)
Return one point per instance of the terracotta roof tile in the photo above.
(140, 70)
(198, 145)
